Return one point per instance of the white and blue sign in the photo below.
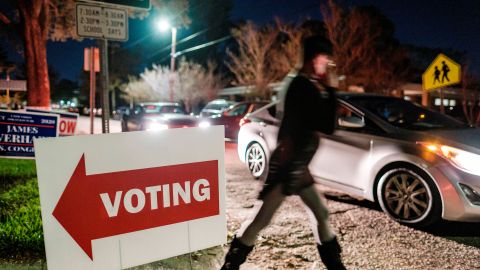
(67, 124)
(18, 129)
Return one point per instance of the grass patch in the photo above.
(15, 171)
(21, 233)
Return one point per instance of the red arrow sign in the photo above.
(102, 205)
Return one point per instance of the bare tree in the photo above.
(471, 97)
(158, 79)
(264, 55)
(365, 50)
(192, 84)
(138, 90)
(287, 53)
(196, 83)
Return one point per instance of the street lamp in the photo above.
(164, 25)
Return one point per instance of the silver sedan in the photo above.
(419, 165)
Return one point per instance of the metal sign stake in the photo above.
(105, 92)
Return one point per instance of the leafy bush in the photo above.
(21, 230)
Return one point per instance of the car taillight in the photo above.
(244, 121)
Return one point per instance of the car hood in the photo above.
(467, 139)
(173, 118)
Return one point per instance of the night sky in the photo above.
(429, 23)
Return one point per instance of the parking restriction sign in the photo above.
(101, 22)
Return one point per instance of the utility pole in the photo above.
(172, 62)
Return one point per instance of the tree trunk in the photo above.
(35, 45)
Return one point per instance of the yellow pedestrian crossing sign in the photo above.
(442, 71)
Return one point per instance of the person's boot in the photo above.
(236, 255)
(330, 253)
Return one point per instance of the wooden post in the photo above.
(92, 87)
(442, 107)
(425, 99)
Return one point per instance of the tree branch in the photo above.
(4, 18)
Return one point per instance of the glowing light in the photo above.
(163, 25)
(432, 147)
(204, 124)
(461, 159)
(156, 127)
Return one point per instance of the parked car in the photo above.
(230, 118)
(158, 116)
(119, 112)
(215, 107)
(419, 165)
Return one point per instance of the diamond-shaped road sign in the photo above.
(443, 71)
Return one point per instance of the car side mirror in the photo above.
(351, 122)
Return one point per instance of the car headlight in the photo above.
(463, 160)
(204, 124)
(153, 126)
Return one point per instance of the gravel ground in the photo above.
(370, 240)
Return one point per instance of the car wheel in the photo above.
(409, 196)
(256, 160)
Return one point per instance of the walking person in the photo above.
(445, 70)
(309, 108)
(436, 75)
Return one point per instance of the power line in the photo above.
(201, 46)
(179, 42)
(198, 47)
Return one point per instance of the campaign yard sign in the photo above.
(67, 122)
(116, 201)
(19, 129)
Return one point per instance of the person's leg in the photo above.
(244, 241)
(261, 217)
(327, 243)
(316, 207)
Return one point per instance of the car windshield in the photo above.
(404, 114)
(217, 106)
(159, 109)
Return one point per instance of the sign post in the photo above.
(105, 23)
(116, 201)
(442, 72)
(92, 64)
(105, 91)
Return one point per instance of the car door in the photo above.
(231, 119)
(342, 159)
